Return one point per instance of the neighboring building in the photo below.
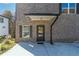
(4, 26)
(47, 22)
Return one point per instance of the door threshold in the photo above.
(40, 42)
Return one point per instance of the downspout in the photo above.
(51, 41)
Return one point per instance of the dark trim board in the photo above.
(51, 28)
(77, 10)
(41, 14)
(20, 31)
(60, 8)
(54, 23)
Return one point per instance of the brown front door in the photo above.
(40, 32)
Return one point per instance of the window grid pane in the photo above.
(71, 10)
(64, 5)
(64, 8)
(1, 20)
(72, 5)
(65, 11)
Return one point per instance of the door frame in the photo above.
(43, 32)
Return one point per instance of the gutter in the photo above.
(51, 41)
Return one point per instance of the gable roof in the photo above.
(3, 16)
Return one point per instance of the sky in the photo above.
(7, 6)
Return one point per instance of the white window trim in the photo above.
(75, 8)
(23, 31)
(68, 8)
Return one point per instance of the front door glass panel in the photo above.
(40, 33)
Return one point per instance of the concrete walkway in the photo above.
(46, 49)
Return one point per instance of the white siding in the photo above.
(4, 31)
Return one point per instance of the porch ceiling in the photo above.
(37, 18)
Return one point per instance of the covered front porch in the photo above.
(36, 28)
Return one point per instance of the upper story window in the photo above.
(68, 8)
(72, 8)
(1, 20)
(64, 7)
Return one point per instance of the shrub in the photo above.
(4, 47)
(10, 42)
(12, 39)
